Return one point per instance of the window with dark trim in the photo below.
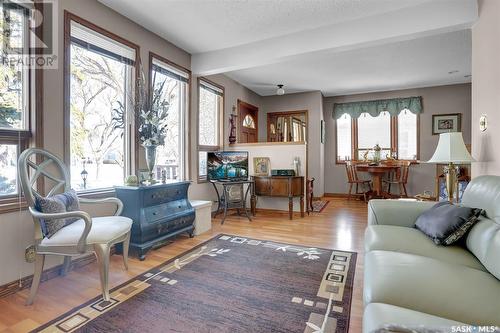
(17, 90)
(100, 72)
(169, 84)
(210, 114)
(397, 136)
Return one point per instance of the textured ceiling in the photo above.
(206, 25)
(334, 46)
(408, 64)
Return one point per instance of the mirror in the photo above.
(288, 126)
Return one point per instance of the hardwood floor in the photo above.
(340, 226)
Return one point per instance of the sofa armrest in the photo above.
(396, 212)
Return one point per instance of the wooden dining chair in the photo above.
(399, 179)
(352, 179)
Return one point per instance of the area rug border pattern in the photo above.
(347, 297)
(323, 207)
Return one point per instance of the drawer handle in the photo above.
(154, 213)
(180, 206)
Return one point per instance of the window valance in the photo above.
(393, 106)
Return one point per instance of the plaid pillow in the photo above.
(59, 203)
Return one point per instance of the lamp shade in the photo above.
(451, 149)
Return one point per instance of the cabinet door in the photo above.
(298, 186)
(279, 187)
(262, 186)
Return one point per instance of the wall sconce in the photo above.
(483, 123)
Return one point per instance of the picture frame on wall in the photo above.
(445, 123)
(261, 166)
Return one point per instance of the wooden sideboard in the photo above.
(279, 186)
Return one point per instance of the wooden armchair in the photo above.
(86, 235)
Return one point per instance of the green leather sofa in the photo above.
(410, 281)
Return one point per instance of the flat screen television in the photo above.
(227, 165)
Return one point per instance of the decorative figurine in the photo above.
(232, 126)
(376, 153)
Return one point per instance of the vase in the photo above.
(151, 161)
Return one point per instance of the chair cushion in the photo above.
(104, 229)
(413, 241)
(446, 223)
(377, 315)
(432, 286)
(59, 203)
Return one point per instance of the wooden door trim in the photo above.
(68, 17)
(253, 108)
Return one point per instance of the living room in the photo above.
(249, 166)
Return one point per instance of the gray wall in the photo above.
(313, 103)
(486, 88)
(17, 228)
(232, 91)
(436, 100)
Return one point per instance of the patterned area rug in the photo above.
(319, 205)
(228, 284)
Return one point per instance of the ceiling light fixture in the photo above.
(280, 90)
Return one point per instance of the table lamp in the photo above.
(451, 150)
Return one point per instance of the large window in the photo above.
(396, 135)
(169, 84)
(101, 71)
(407, 136)
(372, 131)
(210, 111)
(15, 87)
(344, 138)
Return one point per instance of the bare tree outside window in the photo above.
(169, 155)
(98, 99)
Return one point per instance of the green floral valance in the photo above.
(393, 106)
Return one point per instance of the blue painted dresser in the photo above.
(159, 212)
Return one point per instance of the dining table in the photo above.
(377, 172)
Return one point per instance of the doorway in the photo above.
(248, 122)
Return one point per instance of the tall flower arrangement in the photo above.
(151, 111)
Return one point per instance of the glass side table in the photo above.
(232, 195)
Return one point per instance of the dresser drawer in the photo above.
(154, 197)
(159, 228)
(168, 209)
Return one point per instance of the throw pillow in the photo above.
(446, 223)
(59, 203)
